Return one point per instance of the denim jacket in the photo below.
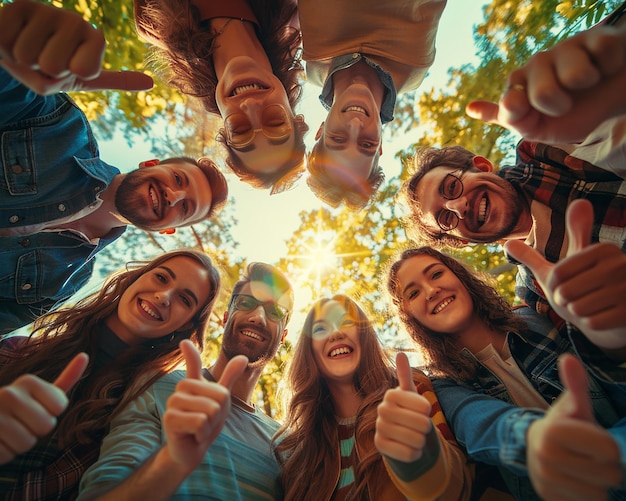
(50, 170)
(493, 430)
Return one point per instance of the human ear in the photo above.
(285, 331)
(482, 164)
(149, 163)
(318, 134)
(225, 317)
(301, 125)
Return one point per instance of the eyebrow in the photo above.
(186, 291)
(424, 272)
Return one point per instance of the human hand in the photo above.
(547, 98)
(197, 410)
(29, 407)
(50, 50)
(570, 456)
(403, 418)
(587, 288)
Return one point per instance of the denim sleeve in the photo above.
(492, 431)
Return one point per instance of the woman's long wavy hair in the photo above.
(442, 353)
(184, 54)
(309, 437)
(60, 335)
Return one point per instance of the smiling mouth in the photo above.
(252, 335)
(146, 307)
(483, 210)
(342, 350)
(442, 305)
(242, 89)
(358, 109)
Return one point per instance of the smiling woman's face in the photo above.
(335, 342)
(258, 121)
(433, 295)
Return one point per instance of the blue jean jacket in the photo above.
(492, 429)
(51, 169)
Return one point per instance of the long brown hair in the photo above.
(60, 335)
(184, 56)
(309, 433)
(442, 352)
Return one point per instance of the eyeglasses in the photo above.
(451, 188)
(275, 120)
(245, 302)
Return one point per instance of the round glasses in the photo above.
(275, 124)
(451, 188)
(245, 302)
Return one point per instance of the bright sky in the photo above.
(265, 223)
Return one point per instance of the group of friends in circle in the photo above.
(525, 402)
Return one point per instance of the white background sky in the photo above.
(265, 223)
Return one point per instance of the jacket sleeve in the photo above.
(443, 471)
(490, 430)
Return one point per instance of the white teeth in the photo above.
(442, 305)
(344, 350)
(482, 210)
(245, 88)
(144, 306)
(253, 335)
(356, 108)
(155, 200)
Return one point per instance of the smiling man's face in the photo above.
(489, 208)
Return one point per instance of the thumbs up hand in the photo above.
(570, 456)
(588, 287)
(51, 50)
(29, 407)
(403, 418)
(197, 410)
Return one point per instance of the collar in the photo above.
(347, 60)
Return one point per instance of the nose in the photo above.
(458, 206)
(336, 334)
(173, 196)
(257, 316)
(162, 298)
(354, 127)
(252, 107)
(432, 292)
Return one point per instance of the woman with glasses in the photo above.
(477, 346)
(104, 352)
(241, 59)
(337, 377)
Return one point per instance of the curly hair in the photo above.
(183, 50)
(333, 190)
(101, 394)
(424, 160)
(442, 353)
(309, 432)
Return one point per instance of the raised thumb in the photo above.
(530, 258)
(579, 222)
(72, 372)
(233, 370)
(405, 379)
(193, 361)
(576, 398)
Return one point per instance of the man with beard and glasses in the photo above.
(60, 204)
(198, 434)
(570, 98)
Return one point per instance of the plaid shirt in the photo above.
(551, 179)
(45, 472)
